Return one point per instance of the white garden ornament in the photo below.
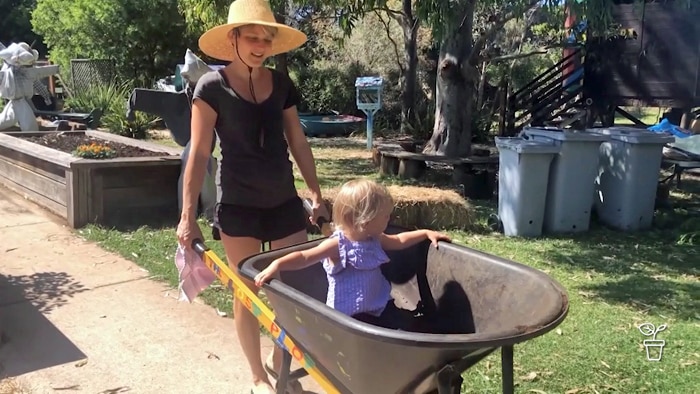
(19, 75)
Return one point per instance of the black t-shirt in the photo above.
(255, 169)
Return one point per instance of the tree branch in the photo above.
(497, 26)
(404, 17)
(514, 56)
(392, 13)
(388, 34)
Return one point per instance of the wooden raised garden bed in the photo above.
(137, 186)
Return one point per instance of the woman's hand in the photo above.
(187, 231)
(319, 210)
(435, 236)
(267, 273)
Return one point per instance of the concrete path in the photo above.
(75, 318)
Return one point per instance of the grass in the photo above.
(648, 115)
(615, 282)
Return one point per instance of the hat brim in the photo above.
(215, 42)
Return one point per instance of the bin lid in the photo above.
(521, 145)
(565, 135)
(635, 135)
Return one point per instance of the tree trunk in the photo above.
(454, 92)
(409, 26)
(482, 84)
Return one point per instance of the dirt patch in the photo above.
(69, 142)
(13, 386)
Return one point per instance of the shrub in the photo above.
(111, 99)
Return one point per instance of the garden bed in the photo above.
(68, 142)
(137, 185)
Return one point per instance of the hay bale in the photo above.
(420, 207)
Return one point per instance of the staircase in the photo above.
(547, 100)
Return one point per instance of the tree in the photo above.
(15, 19)
(460, 53)
(409, 69)
(457, 75)
(462, 43)
(143, 38)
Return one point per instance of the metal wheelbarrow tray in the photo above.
(475, 302)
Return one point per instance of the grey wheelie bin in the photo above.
(522, 184)
(630, 165)
(570, 194)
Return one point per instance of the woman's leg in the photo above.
(285, 226)
(247, 326)
(293, 239)
(240, 229)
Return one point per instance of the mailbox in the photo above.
(369, 100)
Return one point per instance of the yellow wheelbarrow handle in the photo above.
(265, 316)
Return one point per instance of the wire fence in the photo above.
(88, 72)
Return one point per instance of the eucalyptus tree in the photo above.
(462, 43)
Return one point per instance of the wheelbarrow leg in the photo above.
(449, 380)
(284, 373)
(449, 377)
(507, 369)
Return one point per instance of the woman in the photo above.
(253, 110)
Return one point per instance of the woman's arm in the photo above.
(301, 151)
(202, 125)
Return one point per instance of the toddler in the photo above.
(353, 254)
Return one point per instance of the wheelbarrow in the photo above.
(476, 303)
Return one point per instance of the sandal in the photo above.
(293, 386)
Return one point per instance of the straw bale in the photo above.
(420, 207)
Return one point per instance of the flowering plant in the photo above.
(94, 151)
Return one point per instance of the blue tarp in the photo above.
(667, 127)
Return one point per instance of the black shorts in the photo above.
(265, 224)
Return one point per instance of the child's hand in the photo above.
(435, 236)
(266, 274)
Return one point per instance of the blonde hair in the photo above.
(359, 202)
(269, 30)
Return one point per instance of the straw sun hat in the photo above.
(215, 41)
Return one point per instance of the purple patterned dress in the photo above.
(356, 283)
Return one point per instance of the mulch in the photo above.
(69, 142)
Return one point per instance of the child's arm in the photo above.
(410, 238)
(299, 260)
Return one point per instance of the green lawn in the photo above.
(615, 282)
(648, 115)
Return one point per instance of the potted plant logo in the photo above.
(654, 347)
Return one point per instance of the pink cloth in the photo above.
(194, 275)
